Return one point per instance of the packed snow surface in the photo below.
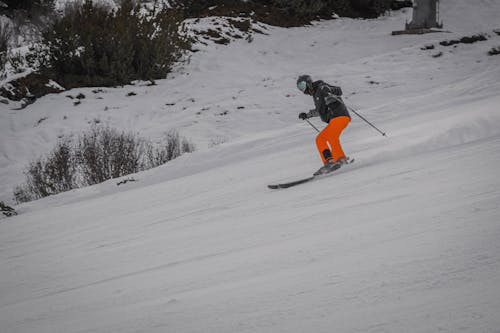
(405, 239)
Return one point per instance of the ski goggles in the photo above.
(302, 85)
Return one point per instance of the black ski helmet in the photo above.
(304, 83)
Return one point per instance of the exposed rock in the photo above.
(29, 87)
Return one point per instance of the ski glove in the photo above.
(303, 116)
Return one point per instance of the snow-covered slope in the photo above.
(406, 239)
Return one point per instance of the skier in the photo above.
(332, 110)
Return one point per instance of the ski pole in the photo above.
(360, 116)
(312, 125)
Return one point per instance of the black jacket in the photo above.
(328, 102)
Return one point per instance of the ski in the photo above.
(304, 180)
(290, 184)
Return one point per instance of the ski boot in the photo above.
(330, 165)
(344, 160)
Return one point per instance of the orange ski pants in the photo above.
(328, 140)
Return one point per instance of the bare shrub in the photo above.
(50, 175)
(100, 154)
(171, 147)
(104, 153)
(154, 156)
(187, 146)
(22, 194)
(61, 168)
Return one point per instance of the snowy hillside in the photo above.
(406, 239)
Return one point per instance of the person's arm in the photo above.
(332, 95)
(337, 91)
(311, 113)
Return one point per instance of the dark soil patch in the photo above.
(464, 40)
(428, 47)
(222, 41)
(494, 51)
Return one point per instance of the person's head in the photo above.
(305, 84)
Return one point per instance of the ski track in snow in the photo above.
(406, 239)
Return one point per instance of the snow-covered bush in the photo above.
(27, 18)
(5, 33)
(94, 45)
(95, 156)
